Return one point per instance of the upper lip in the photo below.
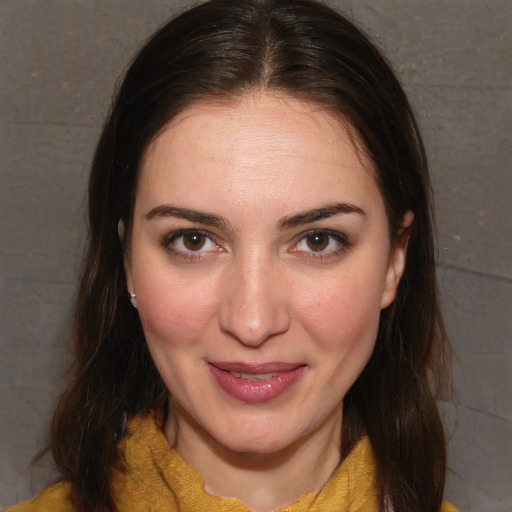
(255, 368)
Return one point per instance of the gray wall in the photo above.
(59, 61)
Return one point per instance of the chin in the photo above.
(264, 441)
(255, 446)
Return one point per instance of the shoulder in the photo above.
(55, 498)
(136, 449)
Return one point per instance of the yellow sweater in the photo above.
(158, 480)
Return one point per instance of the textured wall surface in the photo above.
(59, 61)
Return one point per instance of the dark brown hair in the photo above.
(223, 48)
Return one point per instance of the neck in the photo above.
(263, 482)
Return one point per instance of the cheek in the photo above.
(174, 311)
(343, 315)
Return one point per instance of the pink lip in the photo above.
(253, 390)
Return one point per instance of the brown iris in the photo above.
(194, 241)
(317, 241)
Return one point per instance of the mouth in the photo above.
(258, 376)
(256, 383)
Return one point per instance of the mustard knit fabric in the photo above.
(158, 480)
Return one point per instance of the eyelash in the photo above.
(168, 240)
(340, 239)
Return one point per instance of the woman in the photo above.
(257, 326)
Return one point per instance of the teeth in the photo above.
(253, 376)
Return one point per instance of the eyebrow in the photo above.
(317, 214)
(210, 219)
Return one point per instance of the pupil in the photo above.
(193, 241)
(317, 242)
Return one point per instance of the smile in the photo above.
(249, 376)
(255, 383)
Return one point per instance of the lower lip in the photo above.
(256, 391)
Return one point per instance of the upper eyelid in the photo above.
(330, 232)
(167, 243)
(194, 228)
(183, 231)
(336, 235)
(341, 239)
(186, 231)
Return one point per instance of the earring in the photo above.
(133, 300)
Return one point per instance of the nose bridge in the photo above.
(255, 306)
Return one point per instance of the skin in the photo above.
(259, 287)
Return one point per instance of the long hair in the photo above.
(224, 48)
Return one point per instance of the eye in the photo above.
(193, 241)
(321, 244)
(317, 241)
(189, 243)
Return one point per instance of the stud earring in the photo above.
(133, 295)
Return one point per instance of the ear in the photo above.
(397, 259)
(127, 264)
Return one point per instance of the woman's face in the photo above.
(260, 258)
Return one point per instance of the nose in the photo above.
(254, 307)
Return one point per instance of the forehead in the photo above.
(256, 114)
(259, 146)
